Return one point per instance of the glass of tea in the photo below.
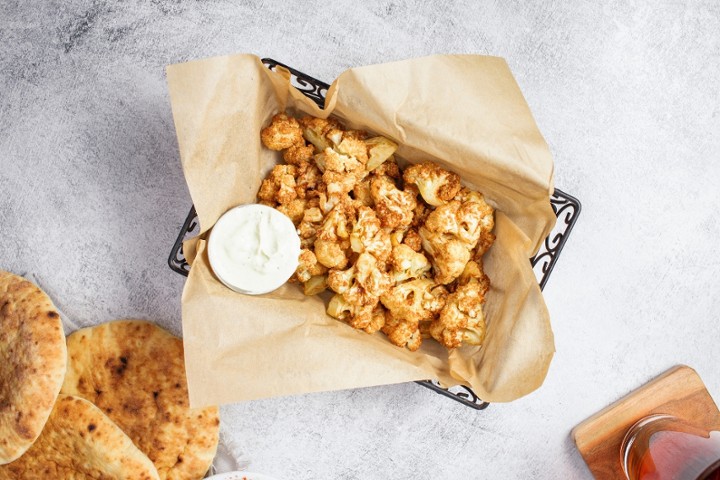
(663, 447)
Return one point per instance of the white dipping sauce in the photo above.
(253, 249)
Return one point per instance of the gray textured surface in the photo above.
(92, 196)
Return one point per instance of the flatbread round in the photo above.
(135, 372)
(32, 363)
(79, 441)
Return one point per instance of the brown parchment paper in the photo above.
(464, 112)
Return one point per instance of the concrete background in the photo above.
(627, 95)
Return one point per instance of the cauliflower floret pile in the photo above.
(401, 250)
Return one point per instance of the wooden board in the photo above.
(679, 392)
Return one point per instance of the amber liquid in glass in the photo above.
(661, 447)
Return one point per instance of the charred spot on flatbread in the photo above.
(81, 442)
(134, 371)
(32, 363)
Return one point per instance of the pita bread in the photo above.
(32, 363)
(79, 442)
(135, 372)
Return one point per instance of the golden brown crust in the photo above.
(462, 319)
(80, 442)
(298, 153)
(135, 372)
(280, 185)
(437, 186)
(412, 239)
(32, 363)
(283, 132)
(395, 207)
(420, 213)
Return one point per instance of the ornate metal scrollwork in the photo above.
(190, 228)
(314, 89)
(567, 209)
(459, 393)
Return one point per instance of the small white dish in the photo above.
(253, 249)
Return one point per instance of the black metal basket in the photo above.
(566, 208)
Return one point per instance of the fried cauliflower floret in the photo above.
(388, 168)
(338, 187)
(361, 192)
(283, 132)
(308, 183)
(311, 273)
(362, 283)
(348, 142)
(412, 239)
(308, 227)
(331, 254)
(408, 304)
(408, 236)
(356, 134)
(484, 243)
(421, 213)
(394, 207)
(462, 319)
(279, 186)
(308, 266)
(474, 204)
(402, 332)
(298, 153)
(337, 162)
(332, 242)
(369, 318)
(358, 290)
(379, 149)
(452, 231)
(415, 300)
(474, 272)
(377, 321)
(449, 256)
(408, 263)
(314, 130)
(437, 186)
(340, 174)
(315, 285)
(368, 235)
(295, 210)
(487, 220)
(353, 147)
